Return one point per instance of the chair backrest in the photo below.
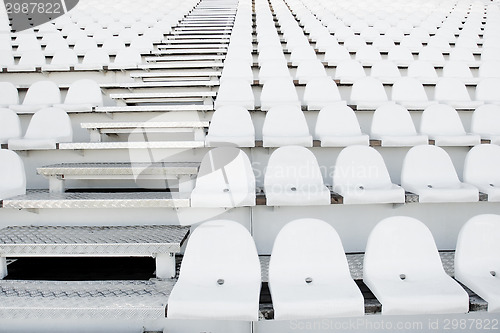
(321, 88)
(12, 174)
(231, 121)
(278, 116)
(220, 249)
(457, 69)
(142, 44)
(226, 169)
(270, 70)
(84, 91)
(422, 69)
(10, 125)
(478, 246)
(113, 44)
(489, 69)
(6, 58)
(292, 166)
(65, 57)
(408, 89)
(401, 245)
(32, 58)
(486, 119)
(431, 54)
(307, 248)
(336, 54)
(98, 57)
(428, 165)
(42, 92)
(349, 68)
(50, 123)
(236, 69)
(383, 43)
(235, 92)
(462, 54)
(481, 166)
(441, 119)
(451, 89)
(400, 55)
(309, 69)
(337, 120)
(8, 94)
(56, 45)
(360, 166)
(368, 54)
(487, 90)
(392, 119)
(84, 44)
(278, 91)
(385, 69)
(368, 89)
(128, 57)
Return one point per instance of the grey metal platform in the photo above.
(157, 241)
(183, 172)
(154, 108)
(84, 300)
(131, 145)
(43, 199)
(198, 96)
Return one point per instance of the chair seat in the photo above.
(416, 105)
(287, 197)
(239, 141)
(368, 105)
(433, 295)
(318, 104)
(464, 105)
(493, 192)
(279, 141)
(456, 140)
(32, 144)
(461, 193)
(28, 108)
(74, 107)
(402, 140)
(230, 301)
(201, 198)
(340, 298)
(344, 140)
(487, 287)
(393, 194)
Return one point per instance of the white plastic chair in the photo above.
(29, 62)
(126, 58)
(486, 121)
(337, 126)
(293, 178)
(386, 71)
(8, 94)
(452, 91)
(403, 269)
(296, 132)
(368, 55)
(372, 186)
(433, 55)
(424, 71)
(63, 60)
(336, 54)
(476, 260)
(321, 288)
(480, 170)
(429, 172)
(6, 59)
(94, 60)
(84, 44)
(464, 55)
(354, 43)
(12, 175)
(489, 69)
(300, 54)
(368, 93)
(235, 92)
(225, 179)
(309, 70)
(83, 95)
(272, 53)
(47, 128)
(236, 69)
(142, 44)
(271, 70)
(231, 126)
(442, 124)
(459, 70)
(277, 92)
(400, 55)
(412, 43)
(410, 93)
(383, 43)
(40, 95)
(215, 283)
(487, 90)
(321, 92)
(10, 125)
(349, 71)
(393, 126)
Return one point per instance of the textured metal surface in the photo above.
(95, 241)
(176, 74)
(98, 169)
(355, 261)
(35, 199)
(145, 124)
(155, 108)
(186, 94)
(132, 145)
(89, 299)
